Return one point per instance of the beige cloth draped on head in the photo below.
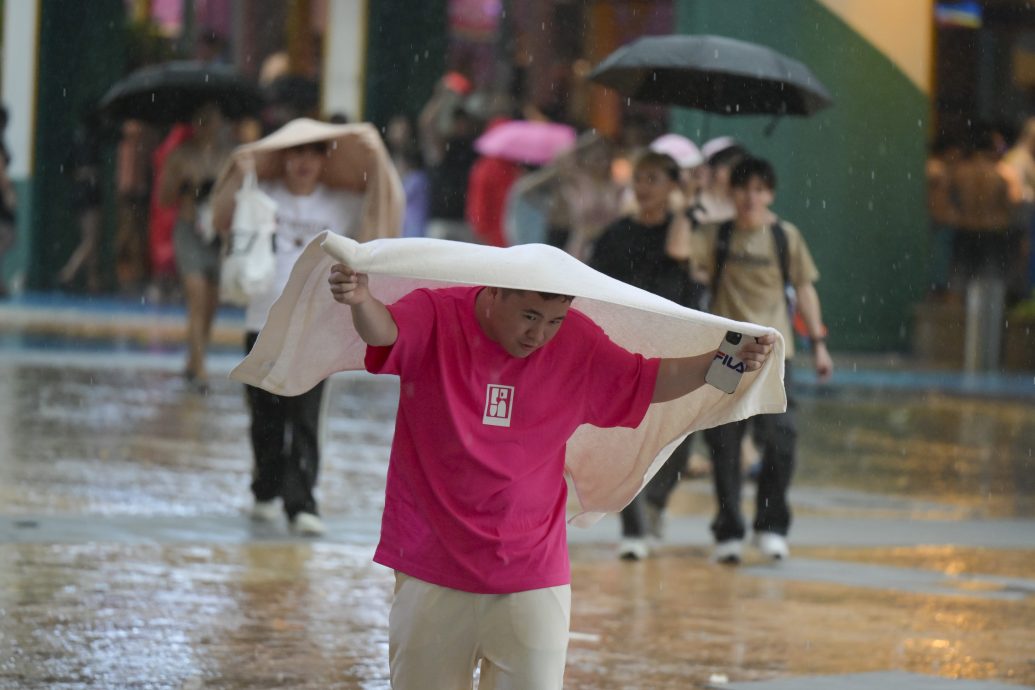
(309, 336)
(356, 159)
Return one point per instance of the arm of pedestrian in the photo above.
(172, 178)
(373, 321)
(677, 239)
(808, 305)
(223, 197)
(679, 376)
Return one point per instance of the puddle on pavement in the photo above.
(978, 455)
(315, 616)
(131, 441)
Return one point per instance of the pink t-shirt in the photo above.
(476, 496)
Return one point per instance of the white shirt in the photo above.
(299, 220)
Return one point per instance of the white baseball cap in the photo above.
(714, 146)
(683, 151)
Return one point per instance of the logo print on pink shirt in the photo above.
(499, 401)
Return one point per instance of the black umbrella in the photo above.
(173, 91)
(714, 74)
(297, 92)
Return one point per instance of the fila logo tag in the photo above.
(499, 404)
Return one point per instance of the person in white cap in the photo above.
(714, 200)
(693, 173)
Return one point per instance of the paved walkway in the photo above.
(127, 559)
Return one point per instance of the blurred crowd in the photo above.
(981, 203)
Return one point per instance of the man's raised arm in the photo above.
(372, 320)
(678, 376)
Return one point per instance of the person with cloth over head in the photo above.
(296, 174)
(493, 383)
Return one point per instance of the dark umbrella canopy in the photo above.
(173, 91)
(714, 74)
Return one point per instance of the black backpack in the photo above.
(722, 252)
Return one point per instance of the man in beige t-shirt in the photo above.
(749, 285)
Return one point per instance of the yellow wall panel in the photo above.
(903, 30)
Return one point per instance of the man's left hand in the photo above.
(755, 351)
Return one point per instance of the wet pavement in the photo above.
(127, 559)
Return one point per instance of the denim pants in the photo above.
(285, 434)
(777, 436)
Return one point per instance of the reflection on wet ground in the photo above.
(977, 454)
(106, 442)
(315, 616)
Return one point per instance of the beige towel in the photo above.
(356, 159)
(309, 336)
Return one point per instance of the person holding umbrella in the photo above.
(188, 177)
(305, 168)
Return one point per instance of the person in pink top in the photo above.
(492, 387)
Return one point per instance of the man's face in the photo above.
(522, 321)
(752, 201)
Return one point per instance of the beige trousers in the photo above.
(437, 636)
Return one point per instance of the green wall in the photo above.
(81, 53)
(406, 55)
(851, 177)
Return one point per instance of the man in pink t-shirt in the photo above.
(474, 522)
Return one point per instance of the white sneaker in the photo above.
(633, 549)
(772, 545)
(265, 511)
(307, 525)
(728, 552)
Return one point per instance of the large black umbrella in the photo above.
(173, 91)
(714, 74)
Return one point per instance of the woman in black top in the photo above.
(633, 250)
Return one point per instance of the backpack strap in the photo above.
(722, 252)
(782, 251)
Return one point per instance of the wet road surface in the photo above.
(127, 559)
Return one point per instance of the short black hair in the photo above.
(547, 296)
(658, 160)
(320, 146)
(727, 157)
(751, 167)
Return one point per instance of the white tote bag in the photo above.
(249, 264)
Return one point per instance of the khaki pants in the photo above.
(437, 635)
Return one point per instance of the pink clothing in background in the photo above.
(487, 188)
(476, 497)
(163, 218)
